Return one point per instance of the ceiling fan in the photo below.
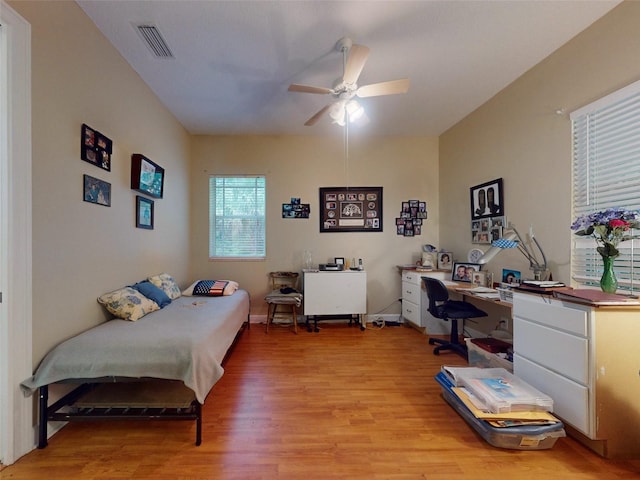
(344, 107)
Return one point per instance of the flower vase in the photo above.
(608, 282)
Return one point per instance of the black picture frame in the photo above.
(144, 212)
(351, 209)
(147, 176)
(96, 191)
(95, 147)
(465, 277)
(481, 205)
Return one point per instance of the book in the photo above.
(543, 283)
(596, 297)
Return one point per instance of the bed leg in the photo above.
(198, 423)
(42, 421)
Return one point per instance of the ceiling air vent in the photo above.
(153, 38)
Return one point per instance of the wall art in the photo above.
(295, 209)
(95, 147)
(96, 191)
(146, 176)
(144, 212)
(487, 199)
(412, 213)
(351, 209)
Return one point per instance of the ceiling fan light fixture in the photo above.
(354, 110)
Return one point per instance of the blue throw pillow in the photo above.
(152, 292)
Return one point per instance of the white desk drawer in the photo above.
(547, 311)
(560, 351)
(411, 312)
(570, 399)
(411, 292)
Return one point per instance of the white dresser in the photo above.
(587, 359)
(415, 302)
(335, 293)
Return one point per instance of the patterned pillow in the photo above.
(211, 288)
(165, 282)
(128, 304)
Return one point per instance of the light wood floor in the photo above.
(338, 404)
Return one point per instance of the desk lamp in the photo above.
(512, 239)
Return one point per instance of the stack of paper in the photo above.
(465, 379)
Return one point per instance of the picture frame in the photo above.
(411, 219)
(350, 209)
(95, 147)
(463, 272)
(479, 279)
(96, 191)
(445, 261)
(487, 199)
(339, 261)
(147, 176)
(512, 277)
(296, 209)
(144, 212)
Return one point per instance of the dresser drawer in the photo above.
(551, 312)
(411, 292)
(570, 399)
(411, 276)
(559, 351)
(411, 312)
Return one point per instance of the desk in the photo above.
(464, 290)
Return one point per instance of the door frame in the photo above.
(17, 432)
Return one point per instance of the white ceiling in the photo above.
(233, 60)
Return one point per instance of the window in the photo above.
(237, 217)
(606, 174)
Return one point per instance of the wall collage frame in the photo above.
(146, 176)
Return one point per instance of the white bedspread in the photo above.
(187, 340)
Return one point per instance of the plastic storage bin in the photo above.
(501, 391)
(539, 437)
(478, 357)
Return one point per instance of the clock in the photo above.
(475, 254)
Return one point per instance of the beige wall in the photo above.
(518, 136)
(81, 250)
(406, 168)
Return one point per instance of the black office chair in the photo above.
(452, 310)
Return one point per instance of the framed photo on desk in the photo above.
(463, 272)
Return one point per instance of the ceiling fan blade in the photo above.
(357, 57)
(384, 88)
(294, 87)
(313, 120)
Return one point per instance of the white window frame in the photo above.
(258, 217)
(606, 174)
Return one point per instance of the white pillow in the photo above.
(229, 289)
(167, 284)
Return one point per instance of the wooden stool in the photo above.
(283, 285)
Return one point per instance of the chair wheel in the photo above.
(432, 341)
(436, 351)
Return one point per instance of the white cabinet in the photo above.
(415, 302)
(335, 293)
(585, 358)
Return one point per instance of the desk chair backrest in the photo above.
(437, 293)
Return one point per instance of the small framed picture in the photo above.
(144, 213)
(95, 147)
(96, 191)
(510, 276)
(463, 272)
(444, 261)
(479, 279)
(339, 261)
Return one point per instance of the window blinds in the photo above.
(237, 217)
(606, 174)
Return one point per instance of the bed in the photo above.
(174, 353)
